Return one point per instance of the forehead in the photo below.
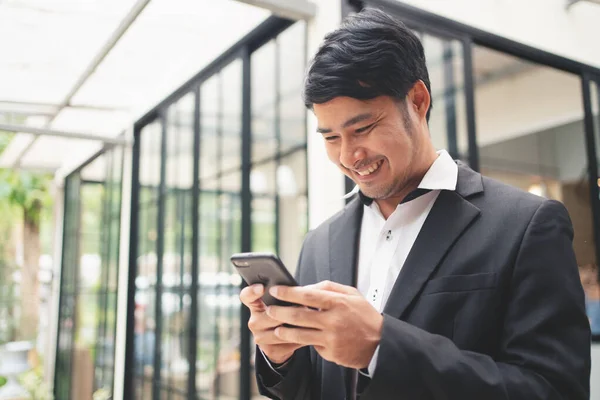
(340, 109)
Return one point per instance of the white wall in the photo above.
(544, 24)
(325, 181)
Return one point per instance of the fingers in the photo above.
(302, 336)
(250, 296)
(268, 338)
(335, 287)
(297, 316)
(309, 296)
(260, 321)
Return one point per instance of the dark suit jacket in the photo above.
(488, 305)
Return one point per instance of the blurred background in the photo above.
(142, 142)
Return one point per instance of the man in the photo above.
(466, 288)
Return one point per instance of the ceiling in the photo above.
(93, 66)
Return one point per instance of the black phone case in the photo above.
(264, 268)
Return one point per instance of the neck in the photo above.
(388, 205)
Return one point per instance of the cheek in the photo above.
(333, 154)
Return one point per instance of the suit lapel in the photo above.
(449, 217)
(344, 235)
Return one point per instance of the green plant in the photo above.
(23, 196)
(33, 382)
(2, 381)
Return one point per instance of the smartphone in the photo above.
(265, 268)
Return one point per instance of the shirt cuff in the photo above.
(279, 369)
(373, 363)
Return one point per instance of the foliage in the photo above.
(33, 382)
(2, 381)
(27, 190)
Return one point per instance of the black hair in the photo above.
(371, 54)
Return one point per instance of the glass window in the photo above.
(264, 102)
(146, 279)
(218, 341)
(590, 277)
(447, 121)
(85, 361)
(530, 135)
(175, 278)
(291, 64)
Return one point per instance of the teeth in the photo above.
(371, 169)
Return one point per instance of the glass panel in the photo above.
(264, 102)
(531, 135)
(226, 299)
(218, 339)
(447, 123)
(293, 207)
(209, 128)
(231, 123)
(146, 280)
(87, 322)
(264, 207)
(66, 323)
(590, 277)
(291, 65)
(176, 259)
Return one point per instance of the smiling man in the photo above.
(434, 282)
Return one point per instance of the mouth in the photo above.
(370, 169)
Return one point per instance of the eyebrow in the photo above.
(354, 120)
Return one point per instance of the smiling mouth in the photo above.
(370, 169)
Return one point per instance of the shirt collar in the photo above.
(442, 175)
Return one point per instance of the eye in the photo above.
(330, 138)
(365, 128)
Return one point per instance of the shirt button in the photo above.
(388, 236)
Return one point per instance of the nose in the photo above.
(351, 155)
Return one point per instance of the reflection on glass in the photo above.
(291, 65)
(231, 125)
(87, 321)
(145, 282)
(175, 277)
(218, 341)
(531, 135)
(210, 96)
(264, 102)
(447, 122)
(293, 207)
(590, 277)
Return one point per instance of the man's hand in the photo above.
(341, 325)
(262, 327)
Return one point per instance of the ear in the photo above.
(419, 99)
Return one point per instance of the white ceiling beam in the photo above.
(573, 2)
(290, 9)
(63, 134)
(32, 108)
(124, 25)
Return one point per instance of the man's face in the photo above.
(373, 142)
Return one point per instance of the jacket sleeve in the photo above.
(544, 350)
(297, 381)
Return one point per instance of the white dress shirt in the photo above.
(385, 244)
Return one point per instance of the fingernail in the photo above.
(257, 289)
(268, 311)
(274, 291)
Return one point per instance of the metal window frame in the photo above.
(76, 241)
(241, 50)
